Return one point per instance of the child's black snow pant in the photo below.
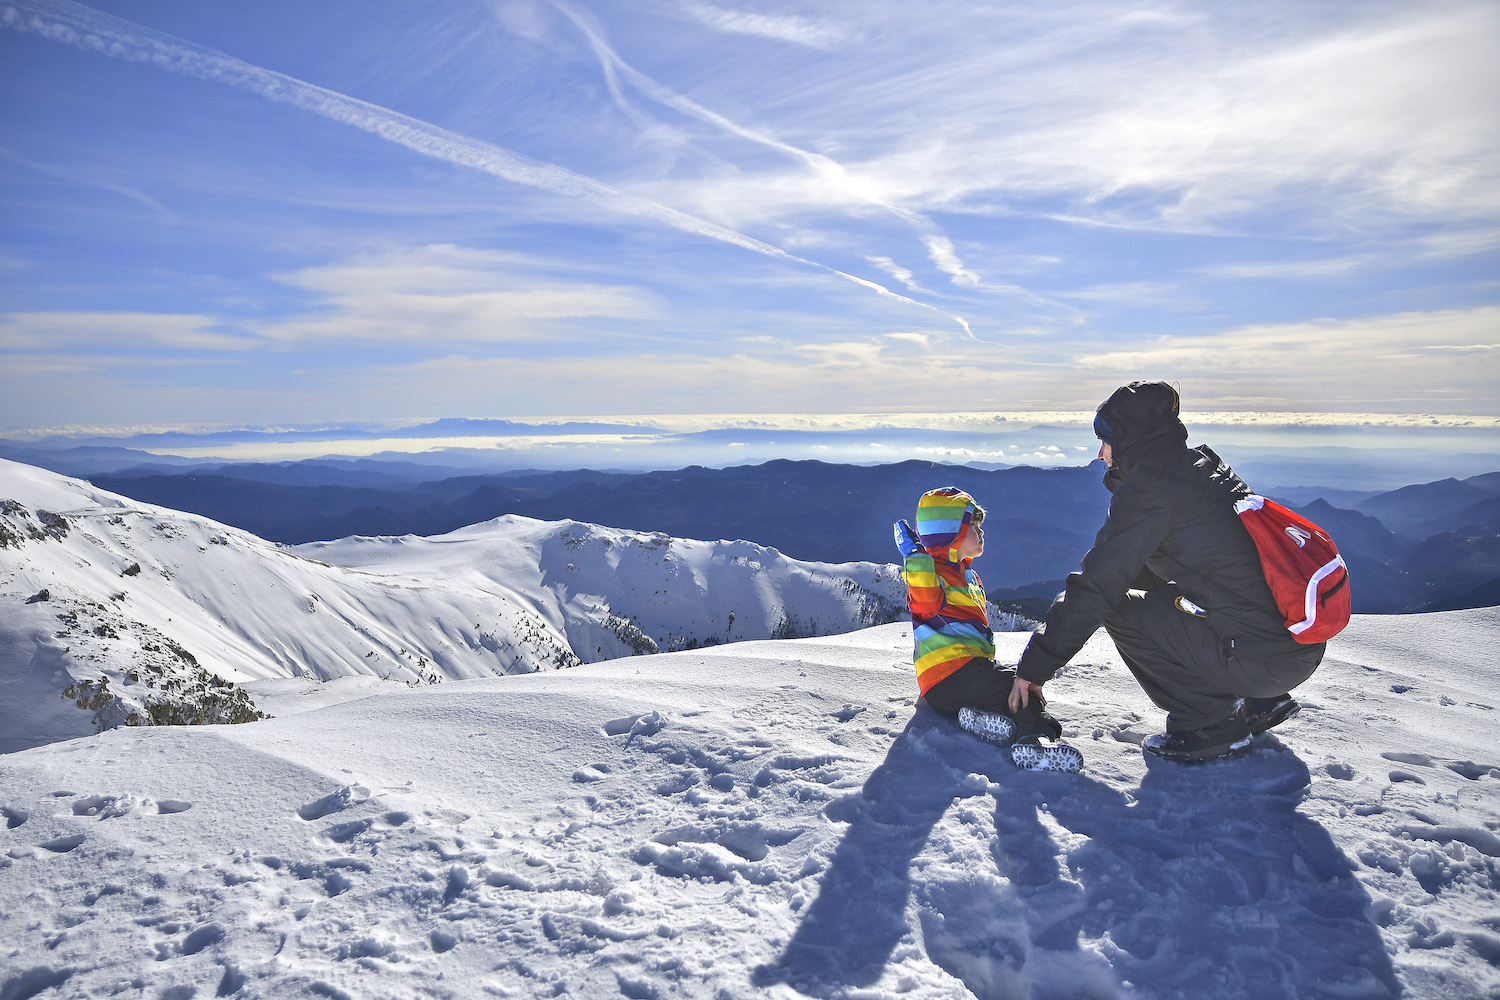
(983, 685)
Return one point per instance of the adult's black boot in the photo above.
(1229, 737)
(1264, 713)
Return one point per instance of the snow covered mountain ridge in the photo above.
(118, 612)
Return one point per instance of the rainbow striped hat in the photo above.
(943, 514)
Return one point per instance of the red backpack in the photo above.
(1303, 567)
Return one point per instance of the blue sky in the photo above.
(279, 213)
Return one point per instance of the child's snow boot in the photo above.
(1031, 737)
(991, 726)
(1037, 753)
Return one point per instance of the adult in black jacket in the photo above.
(1175, 580)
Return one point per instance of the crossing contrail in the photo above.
(75, 24)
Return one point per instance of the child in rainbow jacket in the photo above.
(954, 646)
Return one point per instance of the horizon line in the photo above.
(682, 423)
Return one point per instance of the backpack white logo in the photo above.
(1298, 535)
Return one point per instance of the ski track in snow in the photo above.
(773, 819)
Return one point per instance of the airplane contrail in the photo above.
(940, 247)
(84, 27)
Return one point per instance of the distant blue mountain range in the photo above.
(1431, 546)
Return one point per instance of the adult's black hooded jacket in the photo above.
(1171, 518)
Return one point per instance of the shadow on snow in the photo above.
(1204, 881)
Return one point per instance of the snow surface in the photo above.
(773, 819)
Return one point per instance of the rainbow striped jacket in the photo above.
(946, 597)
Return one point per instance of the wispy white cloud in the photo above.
(441, 294)
(1459, 243)
(816, 34)
(93, 180)
(823, 180)
(25, 368)
(922, 340)
(75, 24)
(1357, 119)
(941, 250)
(1447, 361)
(1388, 255)
(783, 375)
(1291, 269)
(1385, 115)
(901, 274)
(927, 157)
(523, 17)
(830, 174)
(859, 356)
(1129, 292)
(116, 330)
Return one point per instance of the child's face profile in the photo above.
(973, 544)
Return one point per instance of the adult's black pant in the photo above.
(1186, 669)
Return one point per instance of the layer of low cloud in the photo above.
(1404, 362)
(1444, 363)
(1351, 451)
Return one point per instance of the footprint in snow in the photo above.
(1417, 759)
(1468, 768)
(1483, 841)
(332, 873)
(14, 817)
(333, 802)
(590, 773)
(648, 724)
(343, 833)
(369, 830)
(105, 806)
(962, 936)
(62, 845)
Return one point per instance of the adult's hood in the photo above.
(944, 517)
(1142, 420)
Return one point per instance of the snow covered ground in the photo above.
(772, 819)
